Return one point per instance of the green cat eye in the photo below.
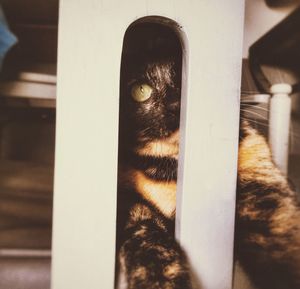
(141, 92)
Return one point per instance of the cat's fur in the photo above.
(268, 217)
(268, 214)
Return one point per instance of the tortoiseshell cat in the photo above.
(268, 214)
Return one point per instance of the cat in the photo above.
(267, 241)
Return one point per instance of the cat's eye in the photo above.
(141, 92)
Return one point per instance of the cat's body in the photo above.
(268, 215)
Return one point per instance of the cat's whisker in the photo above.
(255, 113)
(292, 131)
(255, 121)
(248, 92)
(255, 107)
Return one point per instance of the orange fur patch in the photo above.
(255, 160)
(161, 194)
(167, 147)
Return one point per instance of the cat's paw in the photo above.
(152, 259)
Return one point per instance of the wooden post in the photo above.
(90, 43)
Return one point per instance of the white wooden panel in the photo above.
(86, 146)
(90, 41)
(206, 209)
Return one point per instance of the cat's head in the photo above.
(151, 85)
(150, 98)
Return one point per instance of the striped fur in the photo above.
(268, 217)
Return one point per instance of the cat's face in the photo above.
(150, 98)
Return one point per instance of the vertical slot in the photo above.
(149, 131)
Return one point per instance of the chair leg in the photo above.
(279, 124)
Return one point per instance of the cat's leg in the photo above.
(150, 258)
(268, 218)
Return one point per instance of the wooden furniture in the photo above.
(90, 46)
(27, 134)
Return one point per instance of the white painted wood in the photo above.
(207, 205)
(90, 41)
(279, 124)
